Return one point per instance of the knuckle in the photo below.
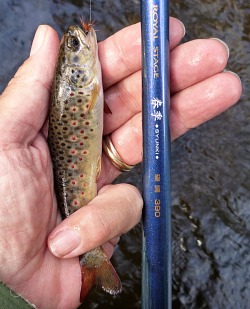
(135, 201)
(102, 228)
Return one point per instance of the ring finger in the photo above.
(189, 108)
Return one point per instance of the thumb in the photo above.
(24, 103)
(114, 211)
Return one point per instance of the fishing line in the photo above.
(90, 9)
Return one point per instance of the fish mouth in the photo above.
(86, 34)
(85, 31)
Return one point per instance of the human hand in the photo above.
(29, 211)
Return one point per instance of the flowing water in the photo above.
(210, 164)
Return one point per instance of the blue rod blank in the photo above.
(156, 264)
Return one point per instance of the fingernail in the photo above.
(178, 30)
(226, 71)
(64, 242)
(38, 39)
(223, 43)
(183, 29)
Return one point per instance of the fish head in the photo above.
(79, 45)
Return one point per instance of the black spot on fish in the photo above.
(75, 59)
(73, 79)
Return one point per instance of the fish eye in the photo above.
(73, 43)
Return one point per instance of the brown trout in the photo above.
(75, 141)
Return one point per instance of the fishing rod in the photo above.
(156, 255)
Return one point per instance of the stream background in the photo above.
(210, 164)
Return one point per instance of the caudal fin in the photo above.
(103, 276)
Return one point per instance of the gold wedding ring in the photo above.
(113, 155)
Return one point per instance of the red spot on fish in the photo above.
(73, 138)
(74, 109)
(75, 202)
(82, 193)
(73, 182)
(74, 123)
(84, 152)
(80, 159)
(82, 115)
(73, 151)
(87, 123)
(81, 175)
(72, 166)
(82, 131)
(80, 92)
(81, 144)
(72, 94)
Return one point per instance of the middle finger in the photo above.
(191, 63)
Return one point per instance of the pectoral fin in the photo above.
(98, 168)
(94, 96)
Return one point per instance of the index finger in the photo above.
(120, 54)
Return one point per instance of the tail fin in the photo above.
(103, 276)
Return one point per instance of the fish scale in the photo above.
(73, 134)
(75, 141)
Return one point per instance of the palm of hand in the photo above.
(29, 202)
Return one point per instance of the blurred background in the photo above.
(210, 164)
